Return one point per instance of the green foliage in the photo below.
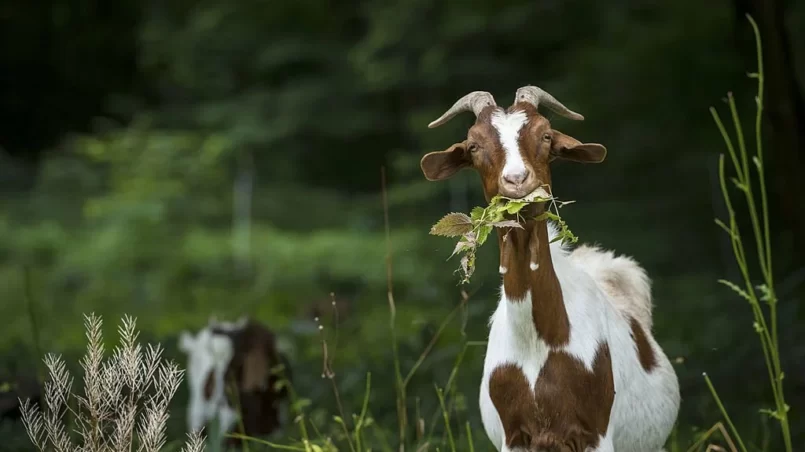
(503, 213)
(765, 325)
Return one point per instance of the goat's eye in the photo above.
(546, 137)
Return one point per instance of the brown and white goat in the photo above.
(571, 364)
(242, 353)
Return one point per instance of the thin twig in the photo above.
(724, 412)
(402, 412)
(29, 304)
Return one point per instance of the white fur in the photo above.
(508, 127)
(646, 404)
(207, 353)
(604, 266)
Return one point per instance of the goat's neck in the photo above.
(528, 273)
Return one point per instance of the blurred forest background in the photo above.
(178, 159)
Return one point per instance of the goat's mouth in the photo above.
(529, 206)
(516, 193)
(531, 195)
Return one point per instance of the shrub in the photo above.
(125, 401)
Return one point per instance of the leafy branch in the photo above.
(502, 212)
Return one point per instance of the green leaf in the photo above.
(515, 206)
(495, 214)
(477, 213)
(452, 225)
(736, 289)
(483, 233)
(474, 229)
(507, 224)
(549, 215)
(765, 294)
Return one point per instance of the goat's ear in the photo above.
(186, 341)
(568, 148)
(440, 165)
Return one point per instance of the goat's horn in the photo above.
(474, 101)
(535, 96)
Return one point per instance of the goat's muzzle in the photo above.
(518, 185)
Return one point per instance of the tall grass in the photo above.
(757, 295)
(419, 435)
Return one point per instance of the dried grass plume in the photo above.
(124, 406)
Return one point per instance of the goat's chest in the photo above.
(531, 391)
(520, 356)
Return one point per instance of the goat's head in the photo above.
(511, 149)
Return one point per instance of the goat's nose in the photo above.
(516, 178)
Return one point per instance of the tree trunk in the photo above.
(784, 109)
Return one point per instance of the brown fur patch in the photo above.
(548, 306)
(255, 370)
(250, 373)
(209, 385)
(568, 410)
(644, 351)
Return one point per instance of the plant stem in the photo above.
(769, 337)
(446, 417)
(724, 412)
(469, 437)
(402, 412)
(430, 345)
(29, 304)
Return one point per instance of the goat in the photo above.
(242, 352)
(571, 364)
